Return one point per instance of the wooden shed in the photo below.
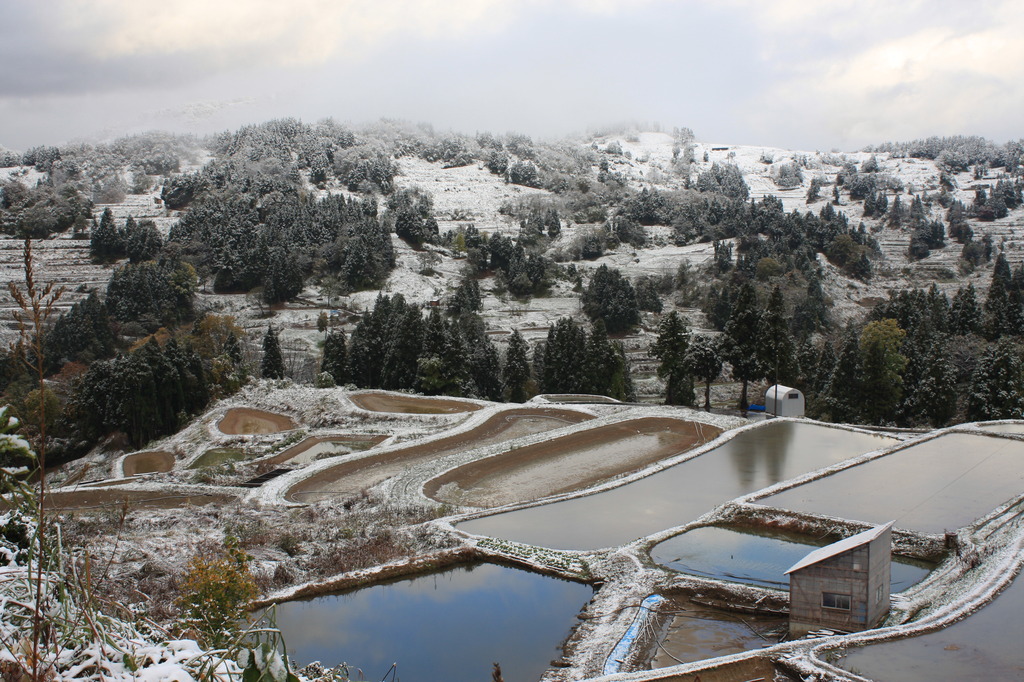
(843, 586)
(783, 401)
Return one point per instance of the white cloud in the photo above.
(288, 33)
(927, 73)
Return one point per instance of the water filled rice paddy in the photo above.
(349, 477)
(940, 484)
(447, 626)
(699, 632)
(751, 460)
(984, 646)
(568, 463)
(755, 559)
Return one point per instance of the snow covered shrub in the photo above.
(214, 593)
(787, 175)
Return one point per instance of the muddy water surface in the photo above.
(447, 626)
(244, 420)
(315, 447)
(753, 459)
(700, 632)
(349, 478)
(568, 463)
(983, 646)
(407, 404)
(728, 554)
(156, 461)
(941, 484)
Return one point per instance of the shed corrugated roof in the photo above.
(837, 548)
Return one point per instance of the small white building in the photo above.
(783, 401)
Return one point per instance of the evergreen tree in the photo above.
(564, 358)
(671, 348)
(600, 358)
(412, 213)
(918, 349)
(272, 365)
(485, 369)
(145, 394)
(647, 297)
(82, 334)
(897, 214)
(998, 314)
(107, 242)
(777, 346)
(811, 313)
(997, 386)
(233, 349)
(153, 294)
(740, 347)
(705, 360)
(718, 306)
(466, 298)
(620, 386)
(516, 372)
(823, 366)
(335, 358)
(936, 392)
(442, 368)
(368, 344)
(403, 345)
(283, 276)
(841, 397)
(142, 241)
(610, 297)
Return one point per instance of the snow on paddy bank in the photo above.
(626, 571)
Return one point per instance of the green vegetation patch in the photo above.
(217, 456)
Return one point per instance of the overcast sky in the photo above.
(801, 74)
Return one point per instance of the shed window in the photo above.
(831, 600)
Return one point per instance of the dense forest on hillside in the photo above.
(270, 210)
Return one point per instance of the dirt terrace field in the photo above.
(155, 461)
(348, 478)
(243, 420)
(108, 497)
(384, 402)
(569, 463)
(358, 440)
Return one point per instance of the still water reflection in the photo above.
(753, 459)
(444, 626)
(1007, 427)
(938, 485)
(699, 632)
(755, 559)
(984, 646)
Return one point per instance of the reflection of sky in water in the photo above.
(941, 484)
(748, 558)
(446, 626)
(984, 646)
(753, 459)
